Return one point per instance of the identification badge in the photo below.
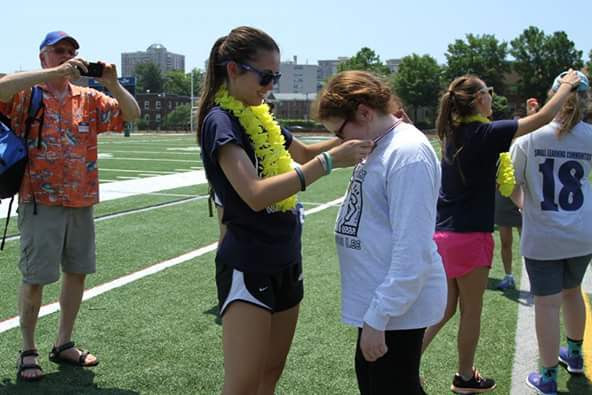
(83, 127)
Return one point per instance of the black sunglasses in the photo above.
(265, 77)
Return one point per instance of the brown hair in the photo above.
(456, 102)
(241, 45)
(588, 116)
(348, 89)
(574, 110)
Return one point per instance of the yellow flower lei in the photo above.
(505, 174)
(505, 171)
(266, 139)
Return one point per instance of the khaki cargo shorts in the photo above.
(55, 236)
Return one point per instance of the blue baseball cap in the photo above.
(55, 37)
(583, 86)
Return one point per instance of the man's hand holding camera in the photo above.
(109, 76)
(70, 69)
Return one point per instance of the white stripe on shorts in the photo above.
(239, 291)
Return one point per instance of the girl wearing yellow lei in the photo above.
(471, 145)
(249, 161)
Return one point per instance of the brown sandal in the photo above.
(54, 356)
(22, 366)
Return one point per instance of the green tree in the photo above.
(500, 107)
(589, 64)
(178, 118)
(417, 82)
(483, 56)
(148, 78)
(539, 58)
(366, 59)
(177, 82)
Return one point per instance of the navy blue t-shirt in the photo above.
(467, 198)
(255, 241)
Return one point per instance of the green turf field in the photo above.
(161, 335)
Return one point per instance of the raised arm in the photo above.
(11, 84)
(549, 110)
(127, 103)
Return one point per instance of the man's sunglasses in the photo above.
(265, 76)
(63, 50)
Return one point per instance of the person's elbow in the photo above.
(253, 196)
(131, 115)
(4, 95)
(255, 203)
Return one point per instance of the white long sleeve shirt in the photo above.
(391, 274)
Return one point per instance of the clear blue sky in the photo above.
(312, 30)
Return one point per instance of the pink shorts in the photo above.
(463, 252)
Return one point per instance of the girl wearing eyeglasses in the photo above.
(471, 145)
(248, 161)
(393, 282)
(552, 169)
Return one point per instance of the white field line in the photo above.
(149, 142)
(174, 152)
(142, 210)
(150, 159)
(526, 354)
(526, 348)
(13, 322)
(154, 172)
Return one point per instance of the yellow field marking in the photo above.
(587, 346)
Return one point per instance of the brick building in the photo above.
(291, 105)
(156, 106)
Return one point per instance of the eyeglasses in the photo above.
(63, 50)
(339, 132)
(487, 89)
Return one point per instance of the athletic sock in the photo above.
(574, 347)
(548, 374)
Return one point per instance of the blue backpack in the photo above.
(13, 152)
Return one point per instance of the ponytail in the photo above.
(215, 77)
(444, 121)
(572, 112)
(456, 102)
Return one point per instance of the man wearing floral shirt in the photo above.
(60, 186)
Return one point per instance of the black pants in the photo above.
(396, 372)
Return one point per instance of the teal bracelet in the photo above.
(329, 161)
(298, 171)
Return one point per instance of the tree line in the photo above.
(533, 58)
(522, 68)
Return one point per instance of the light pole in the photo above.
(191, 106)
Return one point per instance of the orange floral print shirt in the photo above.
(62, 166)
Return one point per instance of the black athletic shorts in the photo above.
(274, 292)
